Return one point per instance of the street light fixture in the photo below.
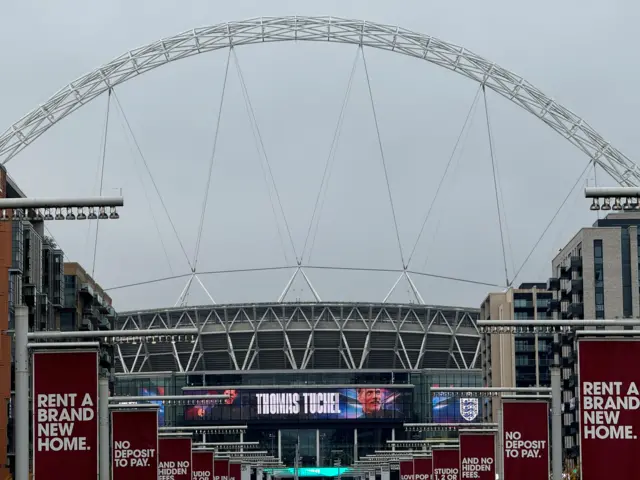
(613, 198)
(41, 209)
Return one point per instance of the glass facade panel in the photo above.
(598, 267)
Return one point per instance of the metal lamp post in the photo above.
(36, 209)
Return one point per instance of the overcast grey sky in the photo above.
(581, 53)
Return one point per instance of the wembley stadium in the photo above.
(306, 380)
(312, 384)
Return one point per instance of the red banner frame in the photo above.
(406, 470)
(174, 450)
(139, 429)
(422, 468)
(202, 461)
(71, 442)
(220, 468)
(476, 448)
(447, 458)
(610, 451)
(235, 471)
(525, 421)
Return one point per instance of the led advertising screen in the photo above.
(301, 404)
(449, 409)
(153, 392)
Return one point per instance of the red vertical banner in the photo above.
(406, 470)
(609, 380)
(235, 471)
(65, 414)
(220, 469)
(202, 465)
(477, 455)
(422, 468)
(134, 444)
(174, 458)
(526, 439)
(446, 464)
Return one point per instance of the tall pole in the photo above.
(103, 414)
(22, 392)
(500, 454)
(297, 459)
(556, 408)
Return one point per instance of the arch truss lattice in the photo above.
(320, 29)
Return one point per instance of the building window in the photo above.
(598, 267)
(625, 250)
(522, 303)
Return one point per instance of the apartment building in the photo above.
(516, 360)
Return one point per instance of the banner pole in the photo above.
(103, 413)
(22, 404)
(500, 453)
(556, 418)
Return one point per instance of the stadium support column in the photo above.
(393, 439)
(556, 408)
(279, 445)
(22, 392)
(317, 447)
(103, 413)
(355, 444)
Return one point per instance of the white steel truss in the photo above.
(320, 29)
(305, 336)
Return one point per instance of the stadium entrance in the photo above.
(328, 419)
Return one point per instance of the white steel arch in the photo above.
(320, 29)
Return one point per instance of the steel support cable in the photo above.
(507, 232)
(104, 156)
(444, 175)
(456, 166)
(544, 232)
(190, 274)
(153, 182)
(495, 186)
(262, 168)
(252, 114)
(397, 270)
(310, 267)
(569, 208)
(96, 182)
(384, 163)
(146, 195)
(326, 174)
(211, 163)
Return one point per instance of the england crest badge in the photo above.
(469, 408)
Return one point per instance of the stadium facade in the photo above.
(329, 377)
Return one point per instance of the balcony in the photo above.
(567, 362)
(565, 272)
(87, 289)
(577, 285)
(553, 284)
(554, 305)
(575, 263)
(576, 310)
(569, 383)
